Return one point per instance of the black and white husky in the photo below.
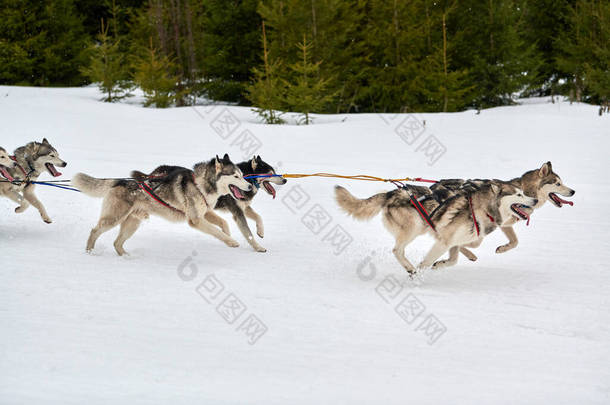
(240, 207)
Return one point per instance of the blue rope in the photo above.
(256, 176)
(42, 183)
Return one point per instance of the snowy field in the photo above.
(315, 320)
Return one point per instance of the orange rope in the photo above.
(356, 177)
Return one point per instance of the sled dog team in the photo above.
(457, 213)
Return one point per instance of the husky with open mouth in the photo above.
(468, 217)
(30, 161)
(239, 206)
(242, 208)
(182, 195)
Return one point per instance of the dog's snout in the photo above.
(64, 164)
(249, 187)
(535, 201)
(572, 192)
(284, 181)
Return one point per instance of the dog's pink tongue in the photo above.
(525, 214)
(561, 200)
(6, 174)
(53, 170)
(237, 192)
(269, 188)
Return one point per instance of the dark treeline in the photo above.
(313, 55)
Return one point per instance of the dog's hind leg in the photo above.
(112, 215)
(218, 221)
(128, 228)
(260, 229)
(28, 194)
(469, 255)
(451, 261)
(435, 252)
(512, 239)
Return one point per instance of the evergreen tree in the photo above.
(335, 28)
(41, 43)
(153, 77)
(397, 38)
(108, 67)
(546, 20)
(267, 91)
(444, 88)
(493, 49)
(230, 44)
(586, 51)
(307, 92)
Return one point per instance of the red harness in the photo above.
(422, 212)
(14, 159)
(148, 190)
(474, 218)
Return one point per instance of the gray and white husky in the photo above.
(542, 184)
(30, 161)
(183, 195)
(466, 218)
(239, 208)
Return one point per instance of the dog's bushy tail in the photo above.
(357, 208)
(91, 186)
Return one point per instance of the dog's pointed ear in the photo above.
(258, 159)
(44, 140)
(226, 158)
(545, 169)
(217, 164)
(253, 163)
(495, 188)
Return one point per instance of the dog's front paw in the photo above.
(260, 232)
(440, 264)
(259, 248)
(47, 220)
(503, 248)
(232, 243)
(21, 208)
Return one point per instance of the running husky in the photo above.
(541, 184)
(30, 161)
(239, 208)
(182, 195)
(451, 203)
(467, 217)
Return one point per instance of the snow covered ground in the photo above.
(313, 320)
